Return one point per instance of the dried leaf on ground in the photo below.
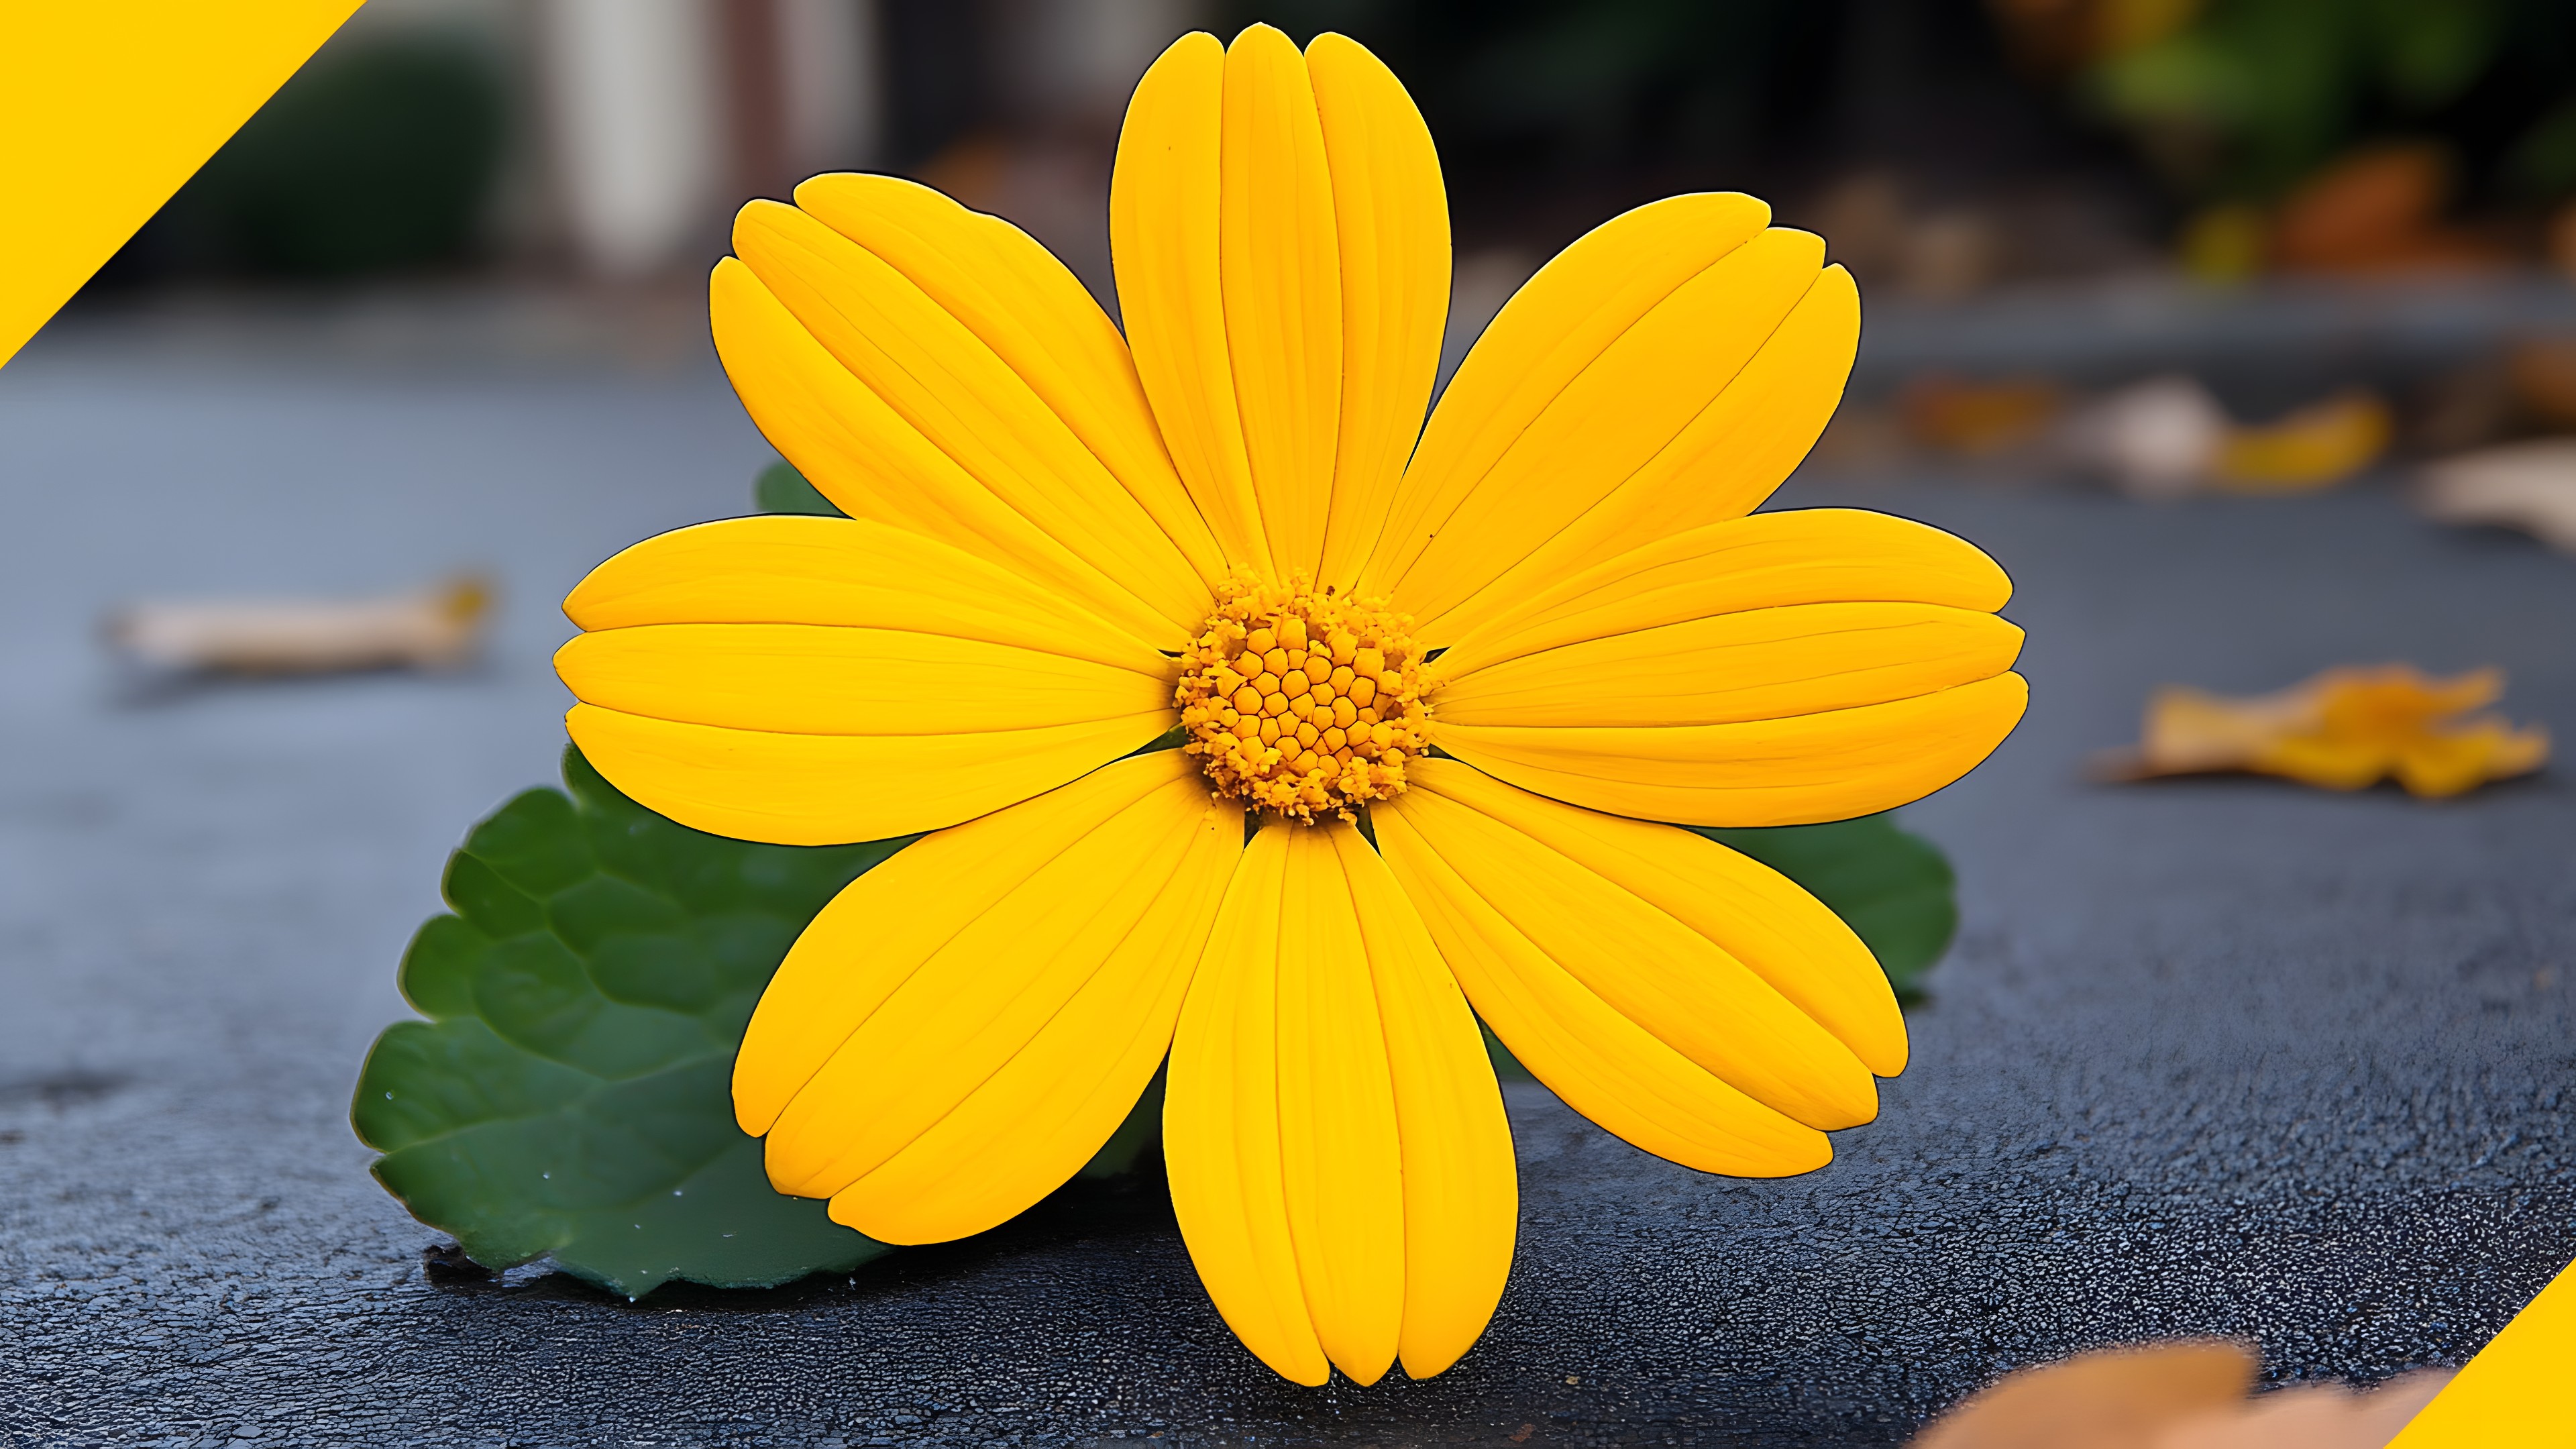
(2166, 436)
(2527, 388)
(2157, 439)
(2187, 1395)
(2379, 210)
(2543, 373)
(2529, 486)
(2119, 1398)
(2312, 1416)
(2344, 729)
(1935, 256)
(1978, 418)
(435, 628)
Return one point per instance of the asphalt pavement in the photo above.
(2210, 1057)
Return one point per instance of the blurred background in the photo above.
(1947, 145)
(2363, 203)
(2233, 328)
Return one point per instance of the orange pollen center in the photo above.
(1298, 702)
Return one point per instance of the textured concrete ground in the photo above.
(2221, 1057)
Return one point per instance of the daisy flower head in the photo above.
(1435, 682)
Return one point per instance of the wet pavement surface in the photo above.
(2216, 1057)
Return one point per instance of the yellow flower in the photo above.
(1064, 544)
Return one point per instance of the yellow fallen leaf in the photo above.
(2318, 445)
(2345, 729)
(2184, 1395)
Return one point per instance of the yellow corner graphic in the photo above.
(2519, 1391)
(106, 107)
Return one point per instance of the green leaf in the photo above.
(570, 1094)
(781, 489)
(1142, 1129)
(1507, 1068)
(1893, 888)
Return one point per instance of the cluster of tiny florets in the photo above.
(1298, 702)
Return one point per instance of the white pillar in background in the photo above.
(1084, 56)
(833, 69)
(635, 91)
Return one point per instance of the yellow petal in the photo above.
(108, 109)
(811, 789)
(1029, 1127)
(1763, 561)
(1761, 671)
(1391, 215)
(1755, 914)
(810, 680)
(795, 569)
(1339, 1158)
(1022, 1131)
(1798, 770)
(1604, 1064)
(1163, 205)
(1017, 299)
(1647, 965)
(960, 1029)
(1461, 1193)
(830, 679)
(1755, 665)
(1584, 376)
(874, 464)
(1282, 248)
(1719, 466)
(1222, 1144)
(1279, 271)
(816, 998)
(965, 400)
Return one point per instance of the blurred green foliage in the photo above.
(2543, 163)
(1557, 84)
(380, 155)
(2250, 96)
(2227, 99)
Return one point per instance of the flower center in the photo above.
(1298, 702)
